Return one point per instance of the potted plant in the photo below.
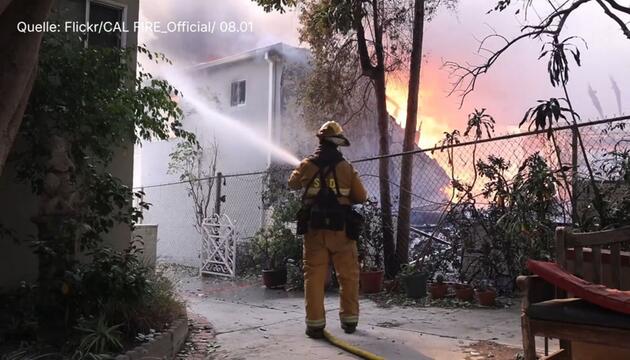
(414, 278)
(464, 292)
(486, 293)
(270, 248)
(429, 257)
(370, 246)
(277, 245)
(439, 288)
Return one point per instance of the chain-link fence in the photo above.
(441, 177)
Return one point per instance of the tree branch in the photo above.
(467, 75)
(624, 27)
(616, 6)
(364, 56)
(467, 81)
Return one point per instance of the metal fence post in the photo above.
(574, 173)
(217, 198)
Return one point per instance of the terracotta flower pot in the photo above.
(464, 292)
(274, 279)
(371, 281)
(392, 286)
(438, 291)
(487, 297)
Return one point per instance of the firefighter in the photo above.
(330, 186)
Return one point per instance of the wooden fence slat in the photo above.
(579, 262)
(615, 264)
(561, 250)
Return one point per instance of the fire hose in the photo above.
(351, 348)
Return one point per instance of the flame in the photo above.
(430, 127)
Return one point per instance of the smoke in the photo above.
(253, 28)
(513, 84)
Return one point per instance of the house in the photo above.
(258, 90)
(18, 205)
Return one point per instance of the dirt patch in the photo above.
(491, 350)
(389, 324)
(389, 299)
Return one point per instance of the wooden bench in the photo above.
(547, 312)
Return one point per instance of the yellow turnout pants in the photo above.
(319, 247)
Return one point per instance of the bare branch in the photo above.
(467, 75)
(618, 7)
(610, 14)
(559, 14)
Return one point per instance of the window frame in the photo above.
(237, 84)
(112, 4)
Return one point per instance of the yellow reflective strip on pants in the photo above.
(316, 323)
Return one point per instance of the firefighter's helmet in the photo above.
(332, 132)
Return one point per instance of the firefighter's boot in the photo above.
(315, 332)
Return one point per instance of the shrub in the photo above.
(117, 286)
(370, 243)
(275, 244)
(492, 241)
(99, 337)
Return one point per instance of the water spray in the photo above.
(196, 100)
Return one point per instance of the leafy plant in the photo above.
(198, 168)
(88, 104)
(493, 241)
(558, 64)
(30, 354)
(411, 269)
(118, 286)
(370, 243)
(270, 246)
(295, 275)
(112, 276)
(439, 279)
(99, 337)
(546, 113)
(483, 285)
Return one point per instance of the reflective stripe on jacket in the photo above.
(350, 186)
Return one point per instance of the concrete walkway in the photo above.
(252, 322)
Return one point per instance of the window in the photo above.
(101, 12)
(238, 93)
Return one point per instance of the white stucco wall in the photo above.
(172, 209)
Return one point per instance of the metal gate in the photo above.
(218, 246)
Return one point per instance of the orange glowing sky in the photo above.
(511, 86)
